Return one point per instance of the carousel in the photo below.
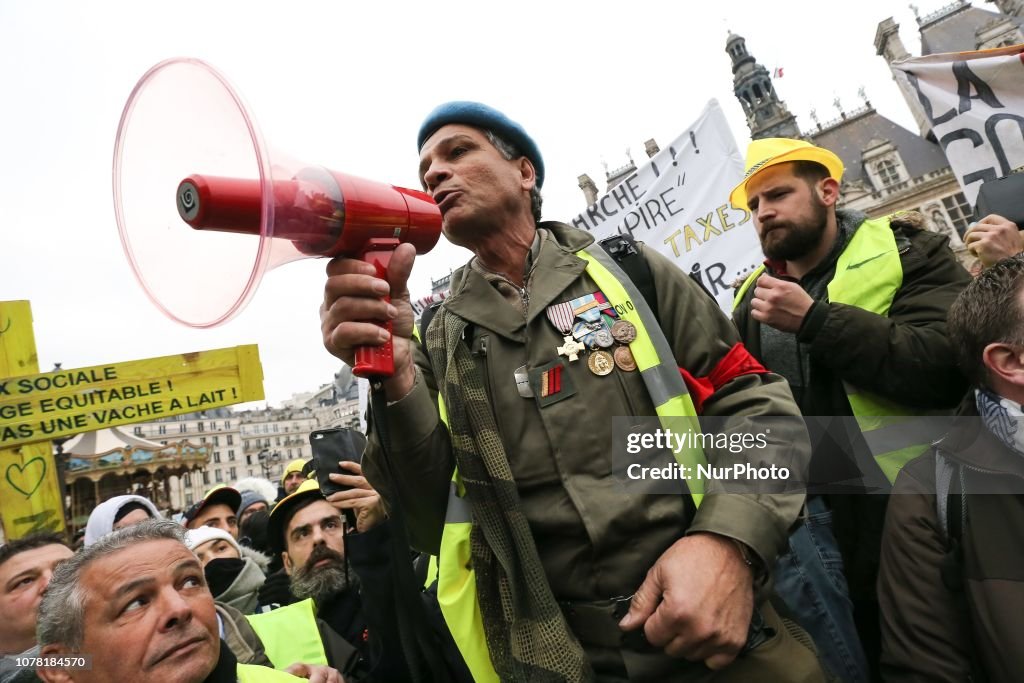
(111, 462)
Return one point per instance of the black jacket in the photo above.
(380, 640)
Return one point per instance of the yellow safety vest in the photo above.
(290, 634)
(456, 590)
(868, 275)
(252, 673)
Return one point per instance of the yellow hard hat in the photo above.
(282, 511)
(770, 151)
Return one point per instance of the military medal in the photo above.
(624, 359)
(605, 305)
(587, 308)
(561, 316)
(601, 363)
(571, 348)
(604, 338)
(584, 331)
(624, 331)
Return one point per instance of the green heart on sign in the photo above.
(26, 482)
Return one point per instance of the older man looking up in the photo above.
(136, 607)
(539, 548)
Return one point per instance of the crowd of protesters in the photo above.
(493, 542)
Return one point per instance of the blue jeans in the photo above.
(809, 579)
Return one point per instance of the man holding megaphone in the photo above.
(498, 434)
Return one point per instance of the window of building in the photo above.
(206, 477)
(213, 426)
(232, 472)
(248, 460)
(216, 441)
(182, 428)
(202, 439)
(189, 499)
(227, 424)
(187, 479)
(250, 472)
(162, 429)
(888, 174)
(138, 431)
(216, 456)
(959, 211)
(219, 476)
(200, 426)
(278, 441)
(231, 439)
(231, 454)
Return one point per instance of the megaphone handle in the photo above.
(377, 361)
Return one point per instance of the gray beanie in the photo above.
(250, 497)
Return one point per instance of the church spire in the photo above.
(767, 115)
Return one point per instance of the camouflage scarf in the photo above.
(527, 636)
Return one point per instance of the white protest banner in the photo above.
(975, 104)
(678, 203)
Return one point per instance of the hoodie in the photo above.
(242, 593)
(101, 521)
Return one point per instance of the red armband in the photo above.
(733, 364)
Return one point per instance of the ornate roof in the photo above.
(864, 129)
(954, 28)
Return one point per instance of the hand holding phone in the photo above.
(331, 446)
(337, 454)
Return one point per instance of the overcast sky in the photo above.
(346, 85)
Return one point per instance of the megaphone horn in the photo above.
(185, 130)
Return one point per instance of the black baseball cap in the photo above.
(224, 495)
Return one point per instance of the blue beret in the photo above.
(481, 116)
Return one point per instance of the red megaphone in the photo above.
(235, 212)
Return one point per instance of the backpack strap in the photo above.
(624, 250)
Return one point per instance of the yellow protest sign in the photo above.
(30, 498)
(47, 405)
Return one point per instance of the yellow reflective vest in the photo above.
(251, 673)
(868, 274)
(456, 591)
(290, 634)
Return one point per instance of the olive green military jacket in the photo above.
(595, 540)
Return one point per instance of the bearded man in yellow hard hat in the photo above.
(852, 311)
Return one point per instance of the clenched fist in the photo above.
(354, 296)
